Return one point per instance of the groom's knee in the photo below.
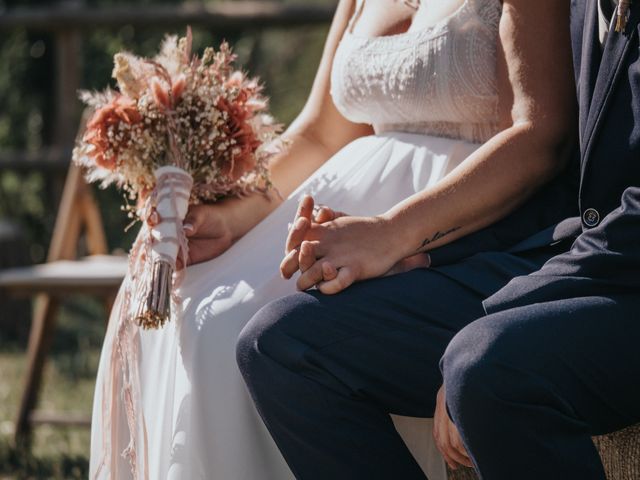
(479, 370)
(268, 339)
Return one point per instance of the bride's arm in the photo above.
(538, 111)
(316, 134)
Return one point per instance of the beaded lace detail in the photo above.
(439, 81)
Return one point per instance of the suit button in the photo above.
(591, 217)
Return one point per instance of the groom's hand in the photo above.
(447, 436)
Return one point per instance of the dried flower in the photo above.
(100, 130)
(198, 113)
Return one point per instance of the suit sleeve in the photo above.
(603, 260)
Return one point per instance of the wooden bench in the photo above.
(619, 451)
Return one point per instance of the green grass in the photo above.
(57, 452)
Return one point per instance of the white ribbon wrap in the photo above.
(170, 202)
(173, 189)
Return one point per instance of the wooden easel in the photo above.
(63, 274)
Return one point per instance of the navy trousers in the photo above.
(526, 387)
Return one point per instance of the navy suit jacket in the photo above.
(597, 200)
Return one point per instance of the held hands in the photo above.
(333, 250)
(447, 436)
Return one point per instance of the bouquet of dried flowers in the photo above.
(179, 130)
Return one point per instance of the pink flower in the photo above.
(161, 95)
(235, 80)
(256, 104)
(178, 89)
(121, 109)
(238, 128)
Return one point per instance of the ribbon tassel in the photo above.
(167, 243)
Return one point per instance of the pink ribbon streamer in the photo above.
(125, 348)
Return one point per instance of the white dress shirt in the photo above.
(606, 9)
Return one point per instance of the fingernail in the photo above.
(188, 228)
(153, 219)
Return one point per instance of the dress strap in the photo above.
(356, 15)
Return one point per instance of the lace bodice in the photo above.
(440, 80)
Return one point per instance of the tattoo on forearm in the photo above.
(436, 237)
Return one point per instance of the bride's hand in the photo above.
(212, 228)
(208, 229)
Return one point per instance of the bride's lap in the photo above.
(208, 326)
(221, 295)
(192, 387)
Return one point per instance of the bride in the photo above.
(406, 94)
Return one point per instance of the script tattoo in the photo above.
(437, 237)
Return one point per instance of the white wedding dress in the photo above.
(431, 97)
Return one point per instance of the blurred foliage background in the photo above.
(284, 59)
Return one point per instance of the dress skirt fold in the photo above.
(195, 413)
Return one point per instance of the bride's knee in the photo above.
(271, 335)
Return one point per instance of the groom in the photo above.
(552, 358)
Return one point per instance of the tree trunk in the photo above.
(619, 451)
